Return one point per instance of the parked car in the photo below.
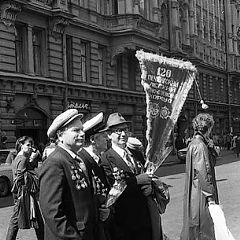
(181, 154)
(6, 175)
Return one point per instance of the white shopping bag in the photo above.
(220, 228)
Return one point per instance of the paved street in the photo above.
(227, 173)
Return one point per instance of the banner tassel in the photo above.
(204, 105)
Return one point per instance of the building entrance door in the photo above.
(32, 122)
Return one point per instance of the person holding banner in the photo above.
(200, 182)
(132, 215)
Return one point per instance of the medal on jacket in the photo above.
(78, 178)
(99, 185)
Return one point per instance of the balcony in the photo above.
(62, 4)
(71, 10)
(132, 22)
(117, 23)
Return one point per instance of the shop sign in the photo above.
(81, 106)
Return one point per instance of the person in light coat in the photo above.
(200, 182)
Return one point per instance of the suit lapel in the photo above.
(116, 159)
(87, 159)
(75, 165)
(90, 162)
(66, 154)
(138, 164)
(93, 166)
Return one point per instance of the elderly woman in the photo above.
(26, 213)
(200, 182)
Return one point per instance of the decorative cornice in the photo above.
(9, 11)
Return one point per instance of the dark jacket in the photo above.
(131, 208)
(26, 187)
(93, 166)
(67, 207)
(96, 170)
(200, 184)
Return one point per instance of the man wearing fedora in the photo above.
(66, 192)
(132, 216)
(96, 142)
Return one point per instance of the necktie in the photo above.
(96, 159)
(129, 162)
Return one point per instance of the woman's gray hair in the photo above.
(202, 122)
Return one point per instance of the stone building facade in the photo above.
(80, 54)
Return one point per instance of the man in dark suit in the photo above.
(66, 192)
(95, 144)
(132, 216)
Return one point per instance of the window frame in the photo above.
(38, 60)
(69, 57)
(102, 65)
(85, 58)
(22, 48)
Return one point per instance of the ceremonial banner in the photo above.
(166, 82)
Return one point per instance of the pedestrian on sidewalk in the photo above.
(228, 141)
(26, 212)
(237, 142)
(200, 182)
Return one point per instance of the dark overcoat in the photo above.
(200, 183)
(132, 208)
(69, 212)
(93, 166)
(105, 228)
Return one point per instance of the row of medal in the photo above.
(78, 178)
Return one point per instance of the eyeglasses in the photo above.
(120, 130)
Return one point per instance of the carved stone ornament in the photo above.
(120, 49)
(58, 24)
(32, 100)
(238, 32)
(136, 2)
(9, 11)
(9, 100)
